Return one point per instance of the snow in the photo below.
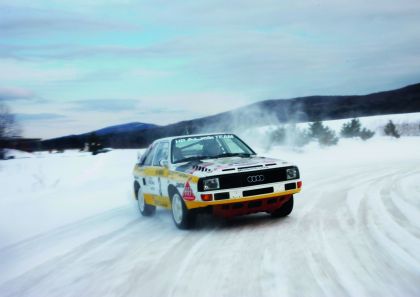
(69, 227)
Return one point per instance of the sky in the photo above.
(68, 67)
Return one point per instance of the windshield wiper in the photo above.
(232, 155)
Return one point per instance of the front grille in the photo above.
(241, 179)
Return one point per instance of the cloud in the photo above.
(268, 50)
(168, 108)
(30, 117)
(161, 111)
(104, 105)
(7, 94)
(13, 72)
(269, 13)
(77, 51)
(24, 20)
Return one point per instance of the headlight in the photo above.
(211, 184)
(292, 173)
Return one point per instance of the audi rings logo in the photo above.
(255, 178)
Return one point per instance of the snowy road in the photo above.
(355, 231)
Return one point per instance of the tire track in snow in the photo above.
(46, 272)
(335, 247)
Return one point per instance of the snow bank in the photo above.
(46, 191)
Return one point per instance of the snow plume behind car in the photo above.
(254, 124)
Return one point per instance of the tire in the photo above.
(183, 218)
(145, 209)
(284, 210)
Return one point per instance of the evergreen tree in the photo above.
(366, 134)
(316, 129)
(323, 134)
(354, 129)
(351, 129)
(391, 130)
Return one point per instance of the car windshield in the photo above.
(208, 146)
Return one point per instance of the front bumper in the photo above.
(244, 208)
(277, 193)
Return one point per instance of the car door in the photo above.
(148, 182)
(160, 162)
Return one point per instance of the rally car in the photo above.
(216, 173)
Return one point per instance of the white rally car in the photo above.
(216, 173)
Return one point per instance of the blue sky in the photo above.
(68, 67)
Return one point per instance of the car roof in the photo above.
(190, 135)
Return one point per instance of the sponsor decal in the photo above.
(224, 136)
(188, 193)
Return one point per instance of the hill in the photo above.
(123, 128)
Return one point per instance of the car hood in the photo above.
(229, 165)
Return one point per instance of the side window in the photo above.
(161, 153)
(148, 159)
(143, 156)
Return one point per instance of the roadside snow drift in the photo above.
(69, 227)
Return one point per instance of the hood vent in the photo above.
(201, 168)
(228, 169)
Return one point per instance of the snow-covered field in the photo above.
(69, 227)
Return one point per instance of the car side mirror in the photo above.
(139, 157)
(164, 163)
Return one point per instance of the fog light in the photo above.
(207, 197)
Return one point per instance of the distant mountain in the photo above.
(129, 127)
(104, 135)
(276, 111)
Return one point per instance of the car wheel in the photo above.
(284, 210)
(145, 209)
(183, 218)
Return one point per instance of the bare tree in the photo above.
(8, 128)
(8, 125)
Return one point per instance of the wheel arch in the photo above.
(171, 191)
(136, 187)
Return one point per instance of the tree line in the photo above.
(317, 131)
